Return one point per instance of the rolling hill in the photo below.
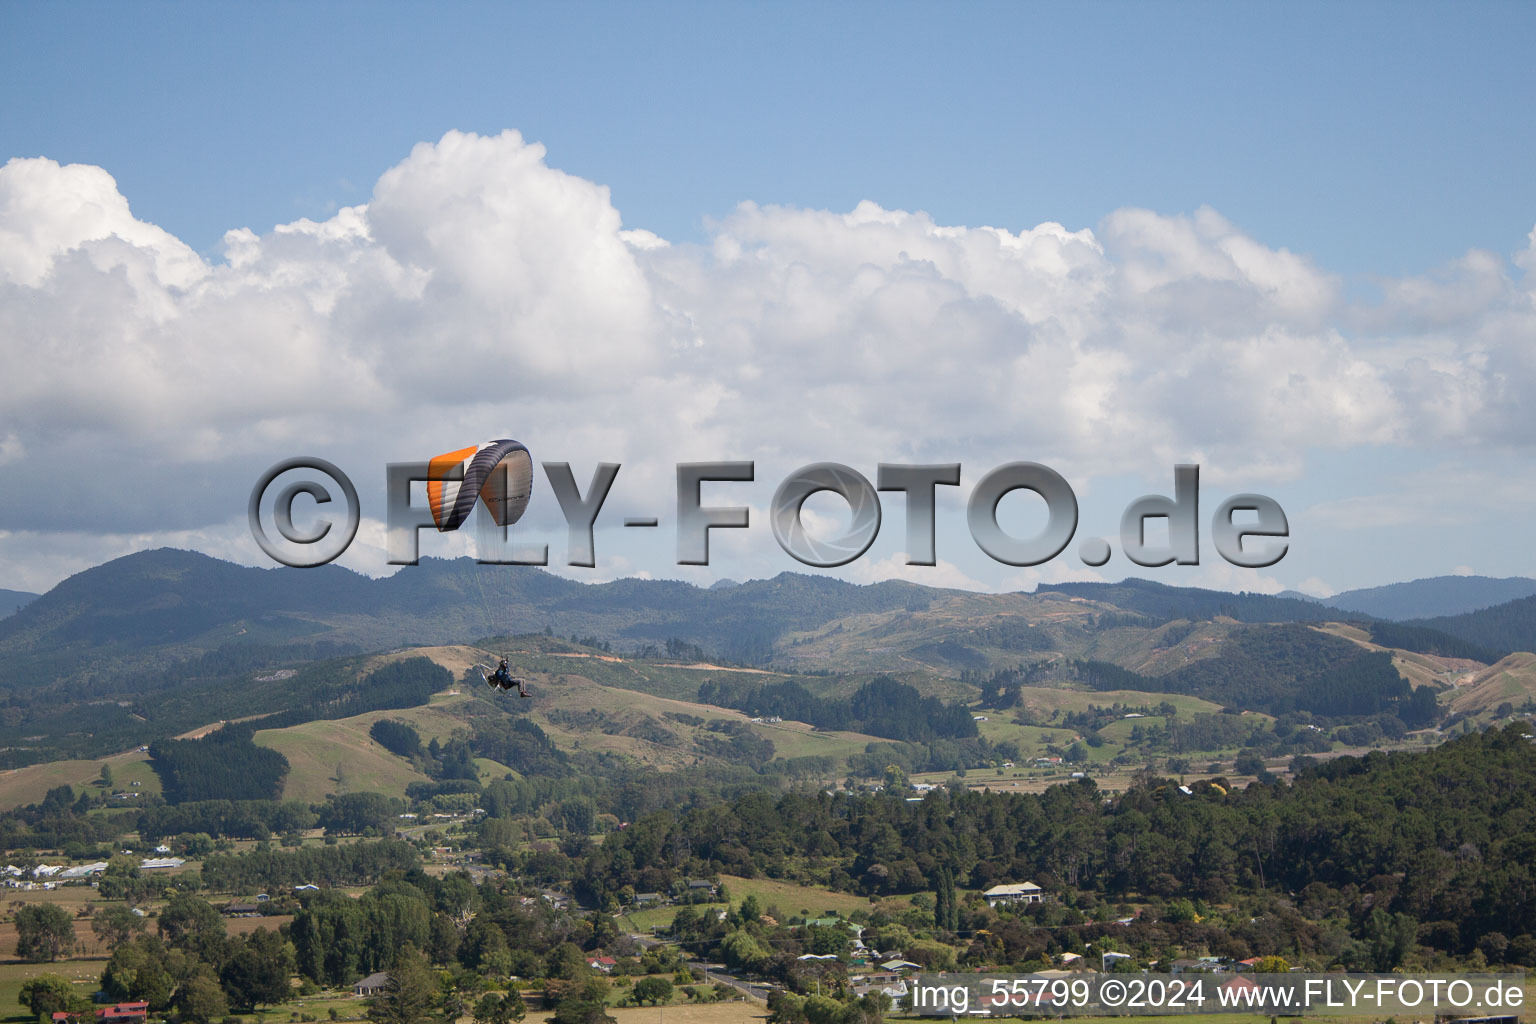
(1163, 603)
(165, 641)
(579, 715)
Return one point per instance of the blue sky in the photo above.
(1365, 149)
(1378, 138)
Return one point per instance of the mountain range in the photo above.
(135, 612)
(163, 641)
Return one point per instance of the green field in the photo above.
(794, 739)
(28, 785)
(86, 974)
(642, 921)
(337, 757)
(492, 771)
(792, 898)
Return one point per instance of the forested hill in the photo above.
(1484, 636)
(1279, 669)
(1506, 627)
(881, 707)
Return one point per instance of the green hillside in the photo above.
(171, 641)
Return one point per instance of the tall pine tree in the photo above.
(946, 907)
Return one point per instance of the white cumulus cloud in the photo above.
(481, 291)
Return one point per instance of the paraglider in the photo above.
(499, 473)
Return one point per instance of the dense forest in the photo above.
(1504, 627)
(224, 765)
(398, 738)
(329, 866)
(286, 686)
(1294, 668)
(1447, 837)
(1425, 640)
(233, 819)
(407, 683)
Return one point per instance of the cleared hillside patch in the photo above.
(1512, 680)
(337, 757)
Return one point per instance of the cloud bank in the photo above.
(481, 291)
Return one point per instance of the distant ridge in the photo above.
(1433, 597)
(182, 602)
(149, 610)
(12, 600)
(1164, 603)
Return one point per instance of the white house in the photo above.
(1019, 892)
(862, 986)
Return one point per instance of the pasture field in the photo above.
(337, 757)
(792, 898)
(21, 786)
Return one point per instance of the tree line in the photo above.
(881, 707)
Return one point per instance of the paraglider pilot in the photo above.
(503, 678)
